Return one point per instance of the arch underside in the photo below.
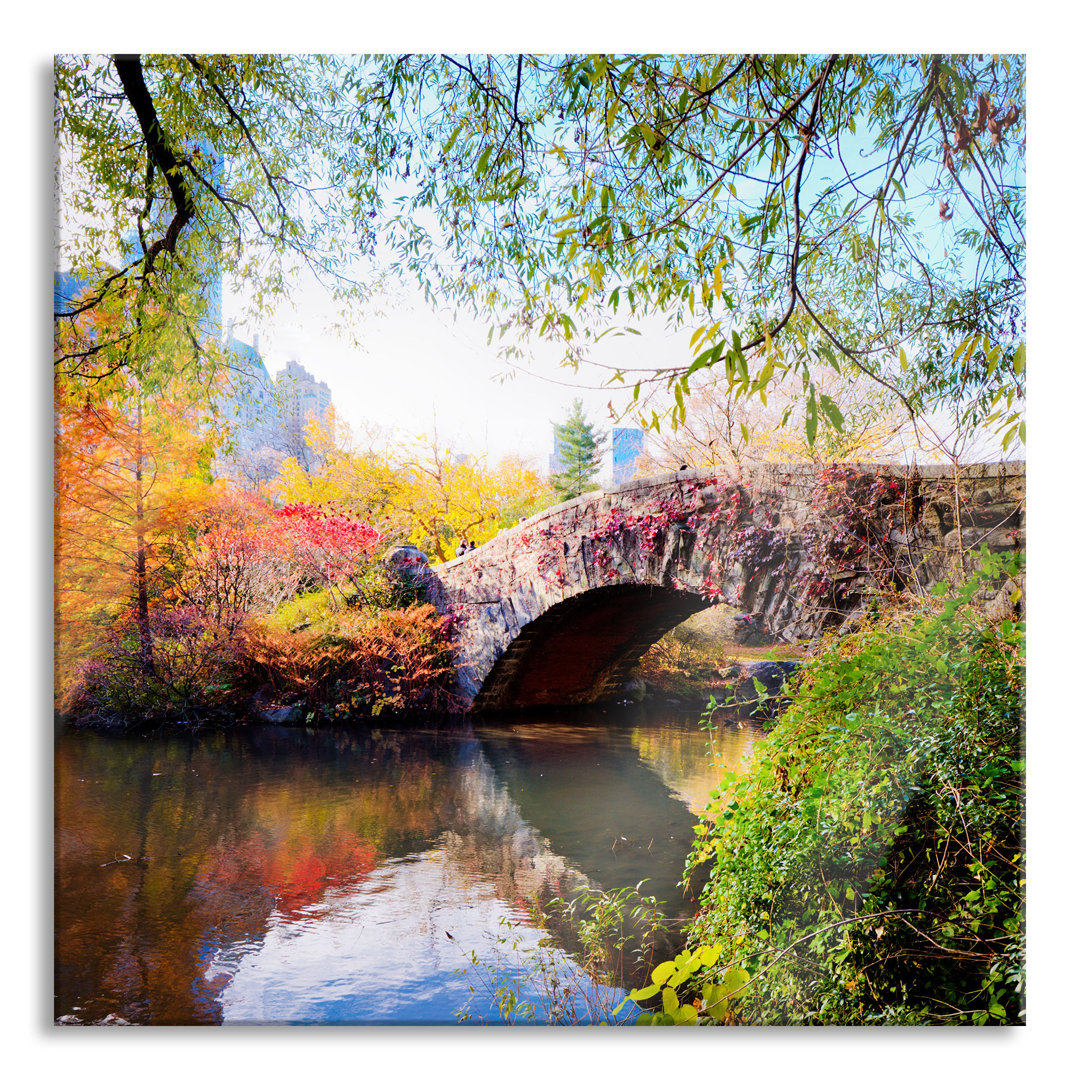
(583, 649)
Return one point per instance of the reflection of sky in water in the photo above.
(380, 952)
(288, 876)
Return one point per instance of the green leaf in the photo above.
(709, 954)
(449, 145)
(662, 971)
(709, 356)
(811, 417)
(734, 980)
(836, 417)
(685, 1014)
(714, 1001)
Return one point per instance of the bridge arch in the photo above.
(583, 649)
(558, 609)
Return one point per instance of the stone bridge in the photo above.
(559, 609)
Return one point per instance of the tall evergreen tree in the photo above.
(578, 449)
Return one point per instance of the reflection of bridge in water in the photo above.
(598, 806)
(313, 873)
(559, 609)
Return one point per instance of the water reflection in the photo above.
(343, 876)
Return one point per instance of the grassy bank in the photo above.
(869, 868)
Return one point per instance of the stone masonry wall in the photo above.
(799, 546)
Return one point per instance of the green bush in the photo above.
(869, 867)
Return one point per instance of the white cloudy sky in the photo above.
(412, 368)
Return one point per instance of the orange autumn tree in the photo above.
(127, 481)
(131, 455)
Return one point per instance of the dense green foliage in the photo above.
(863, 212)
(869, 867)
(579, 449)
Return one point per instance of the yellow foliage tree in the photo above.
(362, 477)
(417, 491)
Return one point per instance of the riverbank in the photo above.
(869, 868)
(311, 664)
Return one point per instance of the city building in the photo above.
(301, 396)
(627, 445)
(258, 441)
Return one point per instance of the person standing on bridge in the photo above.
(461, 549)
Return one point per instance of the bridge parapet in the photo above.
(558, 609)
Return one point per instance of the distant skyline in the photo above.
(414, 369)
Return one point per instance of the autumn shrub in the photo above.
(243, 556)
(192, 674)
(359, 663)
(869, 867)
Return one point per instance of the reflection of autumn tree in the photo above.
(176, 857)
(128, 927)
(202, 842)
(294, 874)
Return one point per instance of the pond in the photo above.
(365, 874)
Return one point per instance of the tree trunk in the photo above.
(142, 598)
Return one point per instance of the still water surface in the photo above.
(348, 876)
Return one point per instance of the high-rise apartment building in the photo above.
(252, 401)
(627, 445)
(301, 396)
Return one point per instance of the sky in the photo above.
(403, 365)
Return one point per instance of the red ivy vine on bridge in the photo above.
(846, 539)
